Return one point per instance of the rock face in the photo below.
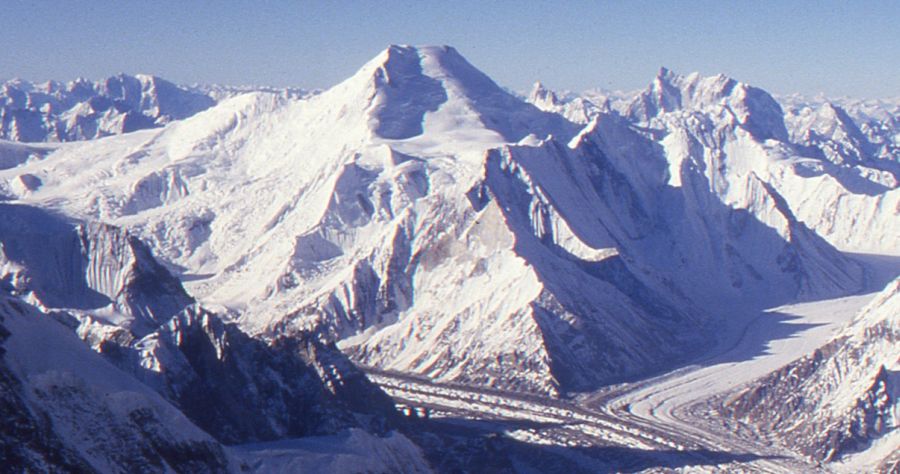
(65, 409)
(841, 398)
(241, 389)
(93, 267)
(106, 284)
(81, 110)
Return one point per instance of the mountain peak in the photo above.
(403, 83)
(665, 73)
(540, 95)
(403, 56)
(754, 109)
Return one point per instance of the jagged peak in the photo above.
(541, 94)
(755, 109)
(836, 112)
(84, 83)
(665, 74)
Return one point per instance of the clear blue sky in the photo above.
(840, 48)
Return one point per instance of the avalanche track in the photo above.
(667, 415)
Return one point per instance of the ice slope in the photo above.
(82, 109)
(432, 222)
(842, 398)
(65, 409)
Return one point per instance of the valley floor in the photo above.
(657, 424)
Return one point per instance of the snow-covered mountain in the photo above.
(81, 109)
(841, 399)
(833, 167)
(417, 217)
(417, 207)
(847, 130)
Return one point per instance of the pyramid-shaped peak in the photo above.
(401, 66)
(403, 84)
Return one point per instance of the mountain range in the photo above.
(235, 257)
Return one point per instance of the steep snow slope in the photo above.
(81, 109)
(434, 223)
(65, 409)
(840, 398)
